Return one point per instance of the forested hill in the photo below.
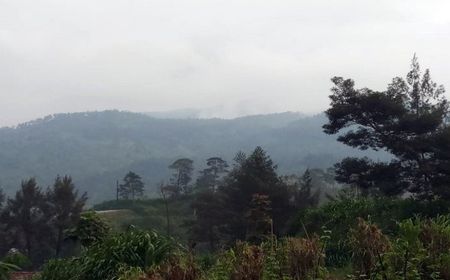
(97, 148)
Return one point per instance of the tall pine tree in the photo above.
(407, 120)
(132, 186)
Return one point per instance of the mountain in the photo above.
(98, 148)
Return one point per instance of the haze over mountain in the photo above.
(98, 148)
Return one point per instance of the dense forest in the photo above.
(98, 148)
(240, 216)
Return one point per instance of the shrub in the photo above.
(305, 256)
(114, 257)
(340, 215)
(368, 244)
(57, 269)
(177, 267)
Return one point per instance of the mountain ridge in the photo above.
(98, 148)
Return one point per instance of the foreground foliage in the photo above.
(115, 255)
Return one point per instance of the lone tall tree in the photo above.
(132, 186)
(182, 175)
(209, 177)
(408, 120)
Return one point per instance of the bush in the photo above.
(113, 257)
(57, 269)
(421, 250)
(340, 215)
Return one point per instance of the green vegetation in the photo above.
(6, 269)
(99, 148)
(245, 221)
(419, 250)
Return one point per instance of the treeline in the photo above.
(247, 200)
(36, 222)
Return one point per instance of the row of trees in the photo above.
(36, 222)
(132, 186)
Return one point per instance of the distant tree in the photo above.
(210, 176)
(27, 218)
(255, 174)
(166, 192)
(182, 175)
(408, 120)
(132, 186)
(66, 206)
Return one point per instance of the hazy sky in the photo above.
(229, 57)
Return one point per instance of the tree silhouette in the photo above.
(255, 174)
(210, 176)
(182, 175)
(408, 120)
(66, 207)
(132, 186)
(27, 218)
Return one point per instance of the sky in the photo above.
(225, 58)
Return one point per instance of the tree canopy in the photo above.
(408, 120)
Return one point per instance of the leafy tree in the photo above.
(210, 176)
(182, 175)
(408, 120)
(66, 207)
(132, 186)
(27, 218)
(255, 174)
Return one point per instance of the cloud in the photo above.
(239, 57)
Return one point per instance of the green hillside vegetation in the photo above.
(98, 148)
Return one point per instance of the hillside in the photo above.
(97, 148)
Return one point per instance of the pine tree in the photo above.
(27, 218)
(182, 175)
(66, 207)
(408, 120)
(209, 177)
(132, 186)
(255, 174)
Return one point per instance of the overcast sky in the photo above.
(229, 58)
